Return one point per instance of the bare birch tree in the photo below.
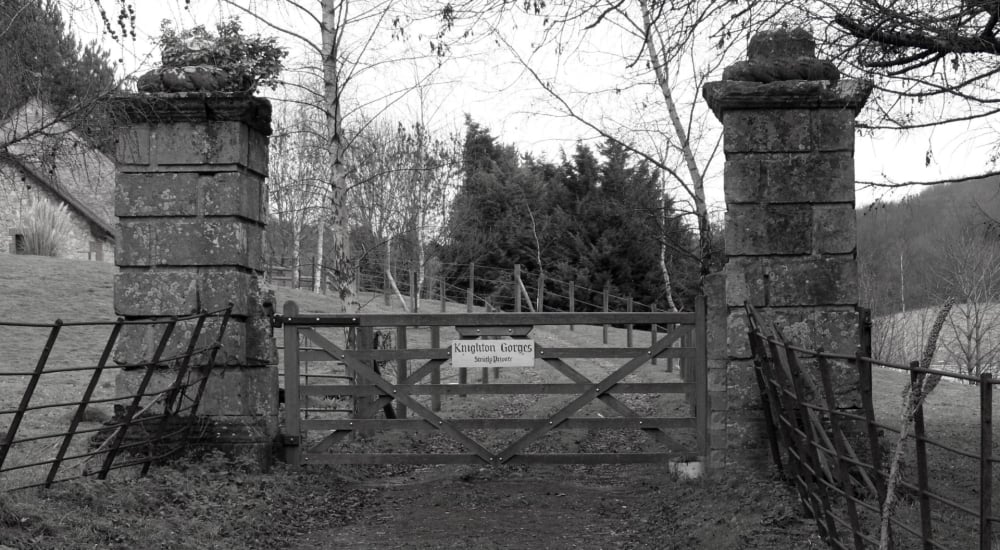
(400, 180)
(970, 271)
(298, 180)
(344, 40)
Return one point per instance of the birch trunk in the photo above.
(697, 182)
(296, 245)
(342, 264)
(663, 258)
(318, 271)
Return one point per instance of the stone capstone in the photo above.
(781, 44)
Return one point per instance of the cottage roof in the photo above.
(51, 154)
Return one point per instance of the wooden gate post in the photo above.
(293, 432)
(435, 344)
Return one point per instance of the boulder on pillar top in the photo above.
(782, 72)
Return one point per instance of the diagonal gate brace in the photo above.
(616, 405)
(375, 379)
(599, 389)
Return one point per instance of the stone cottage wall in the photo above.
(15, 194)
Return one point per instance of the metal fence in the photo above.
(838, 457)
(61, 415)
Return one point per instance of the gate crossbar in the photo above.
(381, 392)
(599, 389)
(369, 374)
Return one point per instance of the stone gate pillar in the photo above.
(190, 198)
(790, 225)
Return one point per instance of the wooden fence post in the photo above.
(629, 307)
(607, 300)
(985, 460)
(463, 373)
(470, 296)
(572, 300)
(540, 302)
(436, 343)
(365, 342)
(653, 336)
(414, 299)
(385, 288)
(517, 288)
(401, 368)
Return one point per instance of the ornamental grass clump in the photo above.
(45, 228)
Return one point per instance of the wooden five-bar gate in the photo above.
(338, 386)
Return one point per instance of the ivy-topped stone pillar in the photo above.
(788, 123)
(190, 198)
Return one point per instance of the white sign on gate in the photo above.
(492, 353)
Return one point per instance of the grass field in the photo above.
(952, 418)
(44, 289)
(40, 290)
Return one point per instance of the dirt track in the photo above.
(572, 507)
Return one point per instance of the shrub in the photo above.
(250, 61)
(46, 228)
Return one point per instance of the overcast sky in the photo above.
(496, 93)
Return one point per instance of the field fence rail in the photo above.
(61, 418)
(494, 288)
(838, 456)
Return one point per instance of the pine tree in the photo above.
(42, 59)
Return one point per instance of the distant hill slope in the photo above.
(903, 246)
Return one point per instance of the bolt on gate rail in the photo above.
(565, 389)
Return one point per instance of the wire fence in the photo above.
(493, 288)
(63, 414)
(839, 457)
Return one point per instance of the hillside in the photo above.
(913, 252)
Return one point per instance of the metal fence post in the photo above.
(919, 434)
(29, 391)
(985, 460)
